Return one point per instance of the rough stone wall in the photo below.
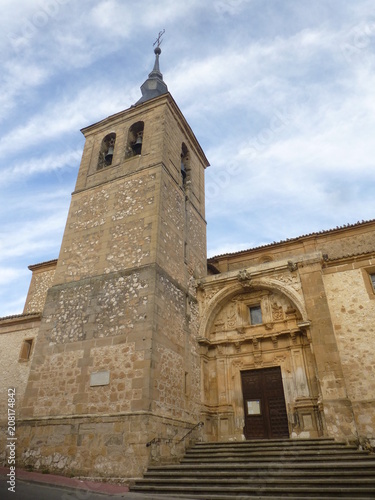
(109, 228)
(353, 242)
(41, 281)
(79, 319)
(337, 407)
(176, 374)
(13, 373)
(64, 387)
(97, 308)
(112, 446)
(170, 254)
(197, 236)
(352, 311)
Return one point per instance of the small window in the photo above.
(255, 315)
(26, 349)
(185, 169)
(372, 278)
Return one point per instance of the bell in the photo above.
(137, 146)
(183, 171)
(109, 155)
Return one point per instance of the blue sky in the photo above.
(280, 94)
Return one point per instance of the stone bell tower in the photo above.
(116, 362)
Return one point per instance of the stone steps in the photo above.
(308, 469)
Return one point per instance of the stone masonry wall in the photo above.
(336, 244)
(352, 311)
(13, 372)
(109, 228)
(170, 253)
(354, 242)
(91, 326)
(112, 446)
(41, 281)
(176, 373)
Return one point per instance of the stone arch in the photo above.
(232, 344)
(106, 151)
(135, 140)
(224, 295)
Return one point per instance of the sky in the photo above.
(279, 93)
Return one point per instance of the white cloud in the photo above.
(9, 274)
(280, 98)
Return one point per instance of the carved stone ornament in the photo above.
(278, 360)
(237, 346)
(293, 336)
(277, 312)
(255, 342)
(210, 293)
(292, 266)
(290, 280)
(258, 360)
(244, 277)
(238, 363)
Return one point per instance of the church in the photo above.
(132, 344)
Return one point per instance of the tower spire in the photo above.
(154, 85)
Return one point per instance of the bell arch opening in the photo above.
(135, 140)
(106, 151)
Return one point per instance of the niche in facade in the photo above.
(106, 151)
(185, 164)
(135, 140)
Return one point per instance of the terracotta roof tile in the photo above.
(288, 240)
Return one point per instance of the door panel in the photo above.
(264, 404)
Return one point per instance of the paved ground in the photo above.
(62, 483)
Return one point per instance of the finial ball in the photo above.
(157, 51)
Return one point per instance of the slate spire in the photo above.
(154, 85)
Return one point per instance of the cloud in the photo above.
(9, 274)
(281, 100)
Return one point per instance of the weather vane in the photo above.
(158, 40)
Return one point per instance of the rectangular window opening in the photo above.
(372, 278)
(255, 315)
(26, 349)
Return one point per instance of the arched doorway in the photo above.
(258, 335)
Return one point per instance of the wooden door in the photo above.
(264, 404)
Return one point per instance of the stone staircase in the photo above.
(273, 469)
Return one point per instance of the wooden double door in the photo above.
(264, 404)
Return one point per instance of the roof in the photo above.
(22, 317)
(47, 263)
(290, 240)
(154, 85)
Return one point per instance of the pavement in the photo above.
(118, 490)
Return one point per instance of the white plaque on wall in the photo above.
(99, 378)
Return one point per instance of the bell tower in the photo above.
(116, 364)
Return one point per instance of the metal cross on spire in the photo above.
(158, 41)
(154, 85)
